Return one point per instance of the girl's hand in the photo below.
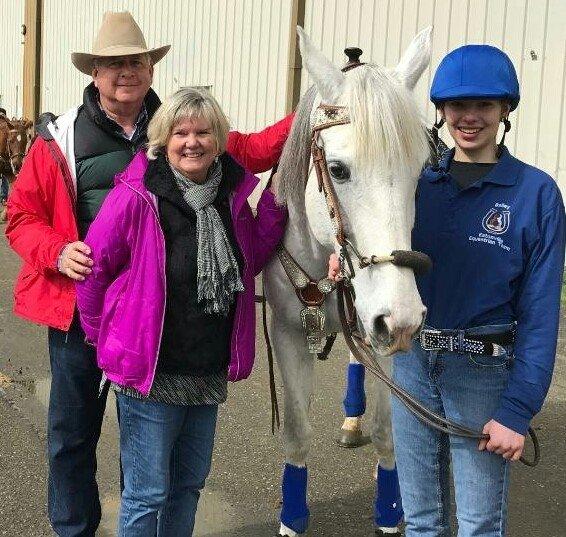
(334, 268)
(503, 441)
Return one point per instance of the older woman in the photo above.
(170, 304)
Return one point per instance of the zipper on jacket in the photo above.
(65, 172)
(237, 322)
(154, 209)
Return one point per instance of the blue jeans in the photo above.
(166, 451)
(74, 421)
(465, 388)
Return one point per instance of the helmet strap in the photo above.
(507, 125)
(435, 147)
(435, 128)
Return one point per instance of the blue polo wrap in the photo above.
(295, 513)
(355, 397)
(388, 509)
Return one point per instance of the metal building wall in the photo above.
(530, 31)
(11, 59)
(238, 47)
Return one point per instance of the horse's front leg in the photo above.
(388, 509)
(296, 366)
(354, 404)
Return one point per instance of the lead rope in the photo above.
(275, 420)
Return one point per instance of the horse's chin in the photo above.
(399, 342)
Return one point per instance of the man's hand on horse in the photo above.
(74, 261)
(503, 441)
(334, 268)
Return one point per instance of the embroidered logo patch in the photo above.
(496, 221)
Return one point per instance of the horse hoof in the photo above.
(352, 439)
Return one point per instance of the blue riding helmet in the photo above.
(475, 72)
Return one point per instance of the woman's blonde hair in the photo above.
(186, 103)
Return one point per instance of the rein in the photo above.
(312, 294)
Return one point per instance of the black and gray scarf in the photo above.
(217, 269)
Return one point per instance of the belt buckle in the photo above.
(498, 350)
(450, 343)
(426, 344)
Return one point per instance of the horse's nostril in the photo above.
(381, 330)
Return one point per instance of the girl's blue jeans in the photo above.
(465, 388)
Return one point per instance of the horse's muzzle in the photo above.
(387, 339)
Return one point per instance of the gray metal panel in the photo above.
(531, 32)
(12, 57)
(239, 49)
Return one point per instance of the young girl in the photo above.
(494, 228)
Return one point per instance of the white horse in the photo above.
(374, 161)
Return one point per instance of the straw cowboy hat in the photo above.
(119, 35)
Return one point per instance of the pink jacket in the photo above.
(122, 303)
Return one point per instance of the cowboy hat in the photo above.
(119, 35)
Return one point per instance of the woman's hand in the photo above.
(74, 261)
(334, 268)
(503, 441)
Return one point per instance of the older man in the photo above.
(62, 184)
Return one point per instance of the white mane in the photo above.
(386, 123)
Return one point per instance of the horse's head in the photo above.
(373, 161)
(19, 137)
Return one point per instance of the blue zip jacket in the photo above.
(498, 252)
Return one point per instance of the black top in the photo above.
(194, 342)
(102, 150)
(467, 173)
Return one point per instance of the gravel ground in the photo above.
(243, 491)
(23, 476)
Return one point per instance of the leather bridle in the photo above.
(14, 156)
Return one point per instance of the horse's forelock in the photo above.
(387, 123)
(294, 163)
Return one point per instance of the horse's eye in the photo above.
(339, 171)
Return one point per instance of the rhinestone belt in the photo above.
(460, 342)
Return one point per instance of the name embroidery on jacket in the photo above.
(495, 222)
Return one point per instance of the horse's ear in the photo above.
(416, 58)
(8, 123)
(327, 77)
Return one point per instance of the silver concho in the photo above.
(326, 286)
(312, 318)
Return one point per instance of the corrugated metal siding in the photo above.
(530, 31)
(11, 59)
(239, 48)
